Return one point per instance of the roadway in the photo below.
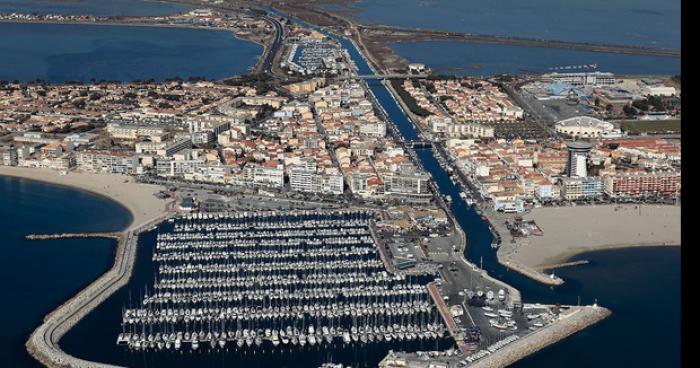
(274, 48)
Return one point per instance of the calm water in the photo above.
(489, 59)
(40, 275)
(64, 52)
(634, 22)
(642, 288)
(92, 7)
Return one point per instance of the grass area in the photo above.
(651, 126)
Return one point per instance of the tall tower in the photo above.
(578, 155)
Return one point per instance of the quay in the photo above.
(452, 327)
(566, 264)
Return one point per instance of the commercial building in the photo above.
(446, 127)
(214, 123)
(268, 176)
(416, 183)
(596, 79)
(313, 181)
(133, 131)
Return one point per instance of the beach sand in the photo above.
(568, 231)
(139, 199)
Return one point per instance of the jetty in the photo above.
(510, 349)
(43, 344)
(112, 235)
(570, 322)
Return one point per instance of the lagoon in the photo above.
(450, 57)
(76, 52)
(92, 7)
(633, 22)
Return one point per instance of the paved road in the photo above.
(275, 46)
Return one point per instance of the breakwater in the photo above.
(570, 322)
(43, 343)
(112, 235)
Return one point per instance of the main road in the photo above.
(275, 46)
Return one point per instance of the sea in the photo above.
(38, 276)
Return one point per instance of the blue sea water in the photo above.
(92, 7)
(65, 52)
(38, 276)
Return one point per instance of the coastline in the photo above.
(138, 199)
(572, 231)
(146, 210)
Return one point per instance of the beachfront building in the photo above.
(573, 189)
(172, 167)
(638, 184)
(8, 155)
(108, 162)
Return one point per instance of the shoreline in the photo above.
(145, 210)
(141, 204)
(569, 232)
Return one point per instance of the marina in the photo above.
(251, 280)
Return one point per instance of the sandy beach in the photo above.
(139, 199)
(568, 231)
